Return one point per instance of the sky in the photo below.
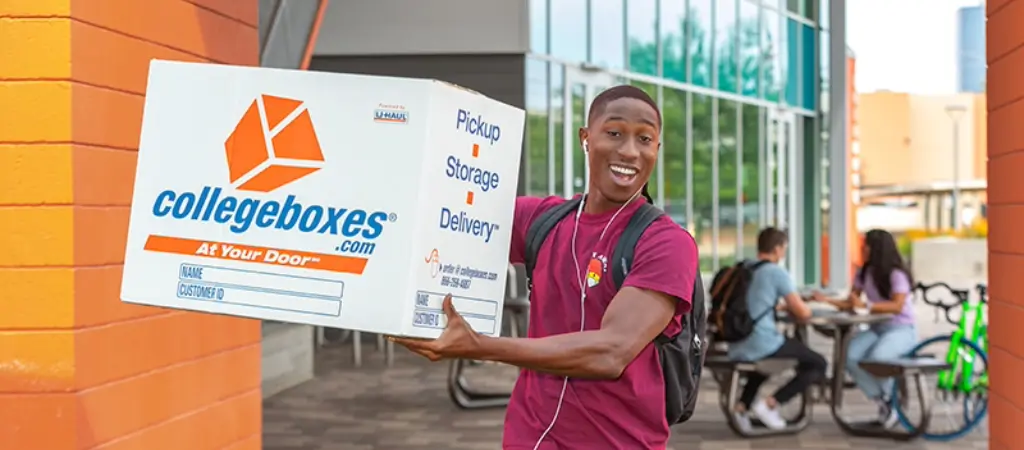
(904, 45)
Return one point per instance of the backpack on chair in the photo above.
(730, 313)
(682, 356)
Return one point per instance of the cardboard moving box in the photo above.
(338, 200)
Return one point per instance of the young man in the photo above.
(771, 282)
(592, 378)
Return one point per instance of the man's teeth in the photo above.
(623, 170)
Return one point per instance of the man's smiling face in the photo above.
(623, 147)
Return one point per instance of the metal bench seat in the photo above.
(767, 366)
(901, 369)
(904, 367)
(729, 372)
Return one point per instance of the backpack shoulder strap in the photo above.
(622, 257)
(539, 230)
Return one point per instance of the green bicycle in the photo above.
(966, 351)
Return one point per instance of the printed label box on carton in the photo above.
(337, 200)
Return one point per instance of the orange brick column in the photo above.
(79, 369)
(1006, 221)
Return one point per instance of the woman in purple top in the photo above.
(591, 376)
(887, 284)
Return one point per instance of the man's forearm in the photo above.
(586, 354)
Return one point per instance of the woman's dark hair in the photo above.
(883, 258)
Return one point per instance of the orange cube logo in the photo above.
(273, 144)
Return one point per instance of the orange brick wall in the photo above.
(1006, 219)
(79, 369)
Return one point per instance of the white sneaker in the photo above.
(887, 416)
(768, 416)
(743, 420)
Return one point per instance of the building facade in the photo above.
(912, 150)
(970, 49)
(80, 369)
(742, 85)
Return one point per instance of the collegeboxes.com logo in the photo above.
(272, 145)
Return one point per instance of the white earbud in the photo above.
(583, 292)
(586, 148)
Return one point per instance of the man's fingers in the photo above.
(416, 345)
(449, 308)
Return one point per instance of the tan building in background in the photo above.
(906, 160)
(908, 139)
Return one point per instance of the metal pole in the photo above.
(956, 112)
(956, 174)
(839, 191)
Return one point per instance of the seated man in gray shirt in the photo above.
(771, 282)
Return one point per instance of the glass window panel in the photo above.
(809, 9)
(750, 64)
(808, 67)
(792, 55)
(642, 29)
(607, 33)
(539, 26)
(652, 90)
(771, 47)
(725, 44)
(578, 121)
(537, 100)
(728, 179)
(793, 6)
(751, 198)
(823, 63)
(673, 39)
(702, 180)
(811, 241)
(674, 146)
(557, 79)
(569, 29)
(649, 88)
(700, 37)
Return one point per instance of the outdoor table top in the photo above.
(827, 316)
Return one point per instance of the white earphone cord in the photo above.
(581, 278)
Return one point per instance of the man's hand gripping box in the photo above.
(337, 200)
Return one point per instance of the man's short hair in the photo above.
(771, 238)
(611, 94)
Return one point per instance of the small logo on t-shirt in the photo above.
(595, 269)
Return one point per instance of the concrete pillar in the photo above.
(78, 368)
(1006, 219)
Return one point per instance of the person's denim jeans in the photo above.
(885, 342)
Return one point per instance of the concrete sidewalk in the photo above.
(407, 407)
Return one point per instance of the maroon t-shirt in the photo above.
(623, 414)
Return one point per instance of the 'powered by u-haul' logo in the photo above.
(273, 144)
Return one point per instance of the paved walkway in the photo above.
(407, 407)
